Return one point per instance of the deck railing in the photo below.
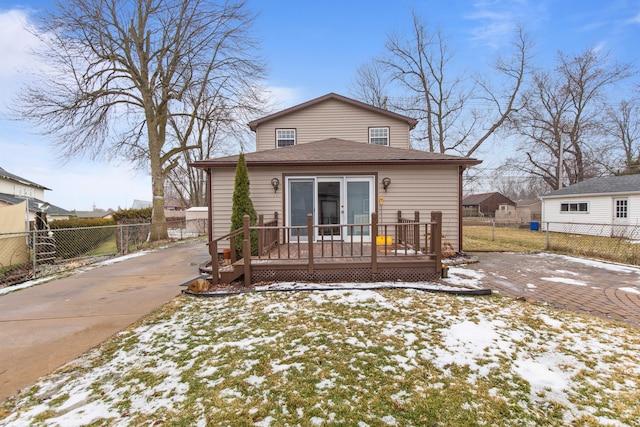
(363, 243)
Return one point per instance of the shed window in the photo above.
(574, 207)
(379, 136)
(285, 137)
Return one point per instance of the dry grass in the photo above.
(487, 239)
(357, 358)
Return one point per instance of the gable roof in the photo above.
(336, 152)
(411, 122)
(12, 177)
(607, 185)
(478, 199)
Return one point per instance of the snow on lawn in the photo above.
(347, 357)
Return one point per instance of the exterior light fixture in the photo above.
(386, 182)
(275, 182)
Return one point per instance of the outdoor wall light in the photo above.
(386, 182)
(275, 182)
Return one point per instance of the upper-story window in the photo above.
(285, 137)
(379, 136)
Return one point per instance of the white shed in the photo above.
(601, 206)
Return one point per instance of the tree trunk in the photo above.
(158, 219)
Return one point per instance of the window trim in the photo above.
(371, 129)
(295, 137)
(565, 207)
(619, 210)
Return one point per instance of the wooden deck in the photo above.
(410, 251)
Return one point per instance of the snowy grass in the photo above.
(357, 357)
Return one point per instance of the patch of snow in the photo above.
(266, 422)
(465, 277)
(547, 373)
(609, 266)
(630, 290)
(549, 321)
(564, 280)
(389, 420)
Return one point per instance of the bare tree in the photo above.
(370, 85)
(622, 125)
(216, 127)
(561, 121)
(122, 69)
(420, 63)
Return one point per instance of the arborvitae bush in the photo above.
(242, 205)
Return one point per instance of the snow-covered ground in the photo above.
(356, 357)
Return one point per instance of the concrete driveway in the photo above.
(45, 326)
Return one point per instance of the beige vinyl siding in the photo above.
(424, 188)
(332, 119)
(265, 201)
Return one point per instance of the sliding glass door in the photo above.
(334, 201)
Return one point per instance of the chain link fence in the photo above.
(612, 242)
(39, 253)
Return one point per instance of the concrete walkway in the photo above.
(45, 326)
(581, 285)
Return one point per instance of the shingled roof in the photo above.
(8, 175)
(609, 185)
(337, 152)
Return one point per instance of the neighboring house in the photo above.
(15, 189)
(141, 204)
(528, 210)
(96, 213)
(340, 160)
(613, 203)
(486, 205)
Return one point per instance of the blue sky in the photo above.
(313, 48)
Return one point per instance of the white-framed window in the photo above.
(379, 136)
(285, 137)
(622, 208)
(574, 207)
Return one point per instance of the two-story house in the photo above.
(15, 190)
(339, 160)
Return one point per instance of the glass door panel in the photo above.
(330, 207)
(300, 205)
(359, 207)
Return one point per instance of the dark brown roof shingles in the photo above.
(335, 152)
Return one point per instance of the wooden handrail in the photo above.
(406, 232)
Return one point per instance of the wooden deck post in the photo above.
(246, 250)
(374, 242)
(213, 251)
(400, 237)
(309, 241)
(416, 232)
(436, 239)
(261, 233)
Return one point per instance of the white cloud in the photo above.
(284, 97)
(497, 19)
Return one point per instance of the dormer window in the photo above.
(379, 136)
(285, 137)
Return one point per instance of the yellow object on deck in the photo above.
(380, 240)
